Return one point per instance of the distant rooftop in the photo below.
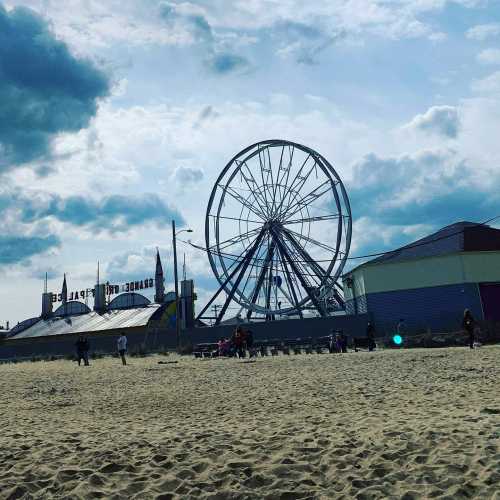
(459, 237)
(91, 322)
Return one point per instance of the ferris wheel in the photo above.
(278, 231)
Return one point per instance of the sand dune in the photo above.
(393, 424)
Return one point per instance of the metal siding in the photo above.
(438, 308)
(490, 298)
(356, 307)
(481, 266)
(422, 273)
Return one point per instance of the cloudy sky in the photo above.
(117, 116)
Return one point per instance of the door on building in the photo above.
(490, 298)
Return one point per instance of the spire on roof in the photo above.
(159, 285)
(64, 292)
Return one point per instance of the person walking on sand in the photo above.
(86, 349)
(239, 342)
(122, 347)
(249, 340)
(401, 328)
(331, 343)
(370, 334)
(468, 324)
(338, 342)
(344, 342)
(82, 350)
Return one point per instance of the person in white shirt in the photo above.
(122, 347)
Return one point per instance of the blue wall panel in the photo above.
(439, 308)
(357, 305)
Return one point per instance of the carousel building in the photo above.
(116, 309)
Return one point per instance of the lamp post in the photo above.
(177, 308)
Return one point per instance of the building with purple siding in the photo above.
(430, 282)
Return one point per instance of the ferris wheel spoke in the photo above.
(235, 239)
(289, 190)
(324, 246)
(273, 183)
(230, 190)
(287, 170)
(295, 190)
(254, 190)
(277, 183)
(307, 199)
(318, 218)
(265, 183)
(236, 219)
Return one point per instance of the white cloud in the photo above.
(489, 56)
(488, 85)
(483, 31)
(88, 25)
(443, 120)
(185, 177)
(91, 24)
(365, 230)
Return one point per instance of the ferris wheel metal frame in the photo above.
(277, 229)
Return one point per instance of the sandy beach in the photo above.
(390, 424)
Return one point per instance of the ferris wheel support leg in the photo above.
(269, 317)
(243, 267)
(297, 272)
(230, 277)
(317, 268)
(262, 275)
(291, 287)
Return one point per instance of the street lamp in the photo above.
(177, 308)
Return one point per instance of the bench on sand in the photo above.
(362, 342)
(273, 347)
(207, 350)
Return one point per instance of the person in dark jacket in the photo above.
(331, 343)
(239, 342)
(344, 342)
(249, 339)
(338, 342)
(82, 350)
(370, 334)
(468, 324)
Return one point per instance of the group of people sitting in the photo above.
(237, 345)
(337, 342)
